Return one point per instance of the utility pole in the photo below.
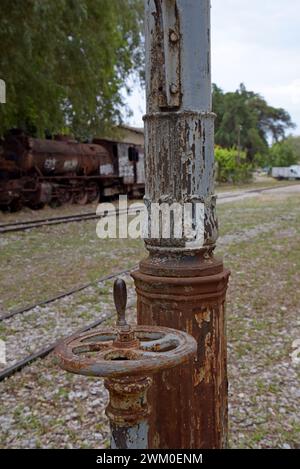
(181, 284)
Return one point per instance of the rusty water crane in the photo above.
(127, 357)
(182, 284)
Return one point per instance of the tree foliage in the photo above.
(65, 62)
(294, 142)
(231, 165)
(245, 118)
(280, 154)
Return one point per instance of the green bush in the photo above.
(282, 153)
(231, 165)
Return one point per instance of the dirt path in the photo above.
(226, 197)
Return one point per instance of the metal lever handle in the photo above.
(120, 299)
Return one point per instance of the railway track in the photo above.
(29, 224)
(42, 353)
(26, 225)
(19, 365)
(13, 313)
(7, 372)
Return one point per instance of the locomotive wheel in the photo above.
(36, 206)
(15, 205)
(93, 192)
(81, 197)
(55, 202)
(64, 196)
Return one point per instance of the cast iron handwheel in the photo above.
(94, 354)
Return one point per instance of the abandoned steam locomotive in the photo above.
(35, 172)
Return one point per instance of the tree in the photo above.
(282, 154)
(65, 62)
(295, 144)
(245, 117)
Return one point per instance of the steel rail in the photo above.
(42, 353)
(28, 224)
(10, 314)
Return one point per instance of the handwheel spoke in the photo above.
(93, 347)
(168, 342)
(99, 338)
(101, 354)
(144, 354)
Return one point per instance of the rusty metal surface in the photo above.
(78, 172)
(181, 284)
(125, 356)
(39, 171)
(53, 156)
(187, 264)
(128, 400)
(9, 191)
(63, 157)
(184, 171)
(197, 391)
(102, 353)
(128, 412)
(166, 48)
(124, 350)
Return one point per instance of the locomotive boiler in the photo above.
(35, 172)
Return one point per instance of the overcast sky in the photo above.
(256, 42)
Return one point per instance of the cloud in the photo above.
(258, 43)
(289, 93)
(255, 42)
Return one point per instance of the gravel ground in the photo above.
(33, 330)
(41, 326)
(72, 209)
(263, 324)
(45, 407)
(52, 408)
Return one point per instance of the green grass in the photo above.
(262, 311)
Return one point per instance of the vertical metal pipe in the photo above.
(128, 412)
(179, 124)
(181, 284)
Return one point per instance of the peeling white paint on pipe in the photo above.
(179, 124)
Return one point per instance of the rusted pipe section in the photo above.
(128, 412)
(181, 284)
(126, 357)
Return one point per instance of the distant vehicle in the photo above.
(291, 172)
(35, 172)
